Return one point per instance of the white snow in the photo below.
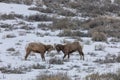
(74, 67)
(15, 8)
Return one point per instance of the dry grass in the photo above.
(107, 76)
(115, 40)
(11, 49)
(117, 1)
(91, 8)
(58, 76)
(38, 17)
(38, 66)
(64, 23)
(66, 32)
(9, 36)
(6, 26)
(109, 59)
(56, 61)
(44, 27)
(118, 58)
(74, 4)
(106, 24)
(99, 36)
(47, 10)
(99, 47)
(18, 70)
(71, 33)
(66, 13)
(27, 27)
(10, 16)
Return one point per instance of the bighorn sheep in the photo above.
(38, 48)
(68, 48)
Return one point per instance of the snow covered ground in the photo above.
(76, 68)
(15, 8)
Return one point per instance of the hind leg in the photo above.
(81, 54)
(43, 57)
(64, 56)
(27, 53)
(81, 57)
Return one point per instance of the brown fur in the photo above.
(69, 48)
(38, 48)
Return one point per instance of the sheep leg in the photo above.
(68, 56)
(82, 57)
(81, 54)
(64, 56)
(43, 57)
(27, 53)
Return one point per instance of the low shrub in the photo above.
(70, 33)
(66, 13)
(66, 32)
(7, 16)
(99, 47)
(10, 16)
(64, 23)
(38, 17)
(10, 36)
(109, 59)
(22, 33)
(47, 10)
(19, 70)
(11, 49)
(99, 36)
(38, 66)
(55, 61)
(27, 27)
(74, 4)
(106, 76)
(58, 76)
(44, 10)
(39, 34)
(118, 58)
(52, 54)
(115, 40)
(5, 26)
(106, 24)
(44, 26)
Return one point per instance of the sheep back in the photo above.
(36, 47)
(71, 47)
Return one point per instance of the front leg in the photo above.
(68, 56)
(27, 53)
(64, 56)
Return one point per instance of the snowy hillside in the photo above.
(21, 24)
